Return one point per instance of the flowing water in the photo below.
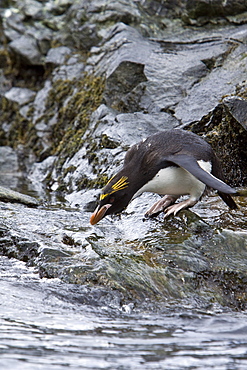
(43, 326)
(48, 323)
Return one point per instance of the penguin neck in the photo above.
(137, 181)
(137, 178)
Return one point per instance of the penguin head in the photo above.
(113, 199)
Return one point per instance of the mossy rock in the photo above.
(229, 140)
(73, 113)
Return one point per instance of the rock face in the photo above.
(82, 81)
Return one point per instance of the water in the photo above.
(43, 326)
(50, 324)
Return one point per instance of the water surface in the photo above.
(44, 326)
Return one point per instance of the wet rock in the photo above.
(43, 37)
(85, 22)
(8, 195)
(204, 10)
(20, 248)
(32, 8)
(113, 135)
(57, 56)
(217, 83)
(20, 95)
(29, 40)
(26, 47)
(238, 19)
(10, 169)
(215, 8)
(125, 44)
(74, 68)
(170, 82)
(13, 26)
(171, 8)
(39, 104)
(175, 88)
(140, 260)
(5, 84)
(124, 79)
(123, 71)
(8, 161)
(134, 127)
(237, 107)
(228, 138)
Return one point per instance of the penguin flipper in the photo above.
(190, 164)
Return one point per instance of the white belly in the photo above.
(176, 181)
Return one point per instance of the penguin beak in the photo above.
(99, 214)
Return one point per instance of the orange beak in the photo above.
(99, 214)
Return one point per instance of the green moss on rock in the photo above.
(99, 182)
(230, 285)
(74, 101)
(228, 138)
(21, 130)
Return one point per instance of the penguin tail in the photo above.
(228, 200)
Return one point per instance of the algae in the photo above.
(229, 287)
(69, 103)
(73, 112)
(21, 129)
(72, 102)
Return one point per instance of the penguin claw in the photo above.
(161, 205)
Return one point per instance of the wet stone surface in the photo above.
(80, 82)
(186, 257)
(89, 80)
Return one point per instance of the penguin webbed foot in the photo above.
(175, 208)
(161, 205)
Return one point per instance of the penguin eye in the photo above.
(111, 200)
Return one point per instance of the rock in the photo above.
(204, 96)
(57, 56)
(122, 81)
(64, 4)
(73, 69)
(96, 77)
(27, 49)
(238, 19)
(204, 10)
(20, 95)
(8, 195)
(8, 161)
(13, 26)
(84, 21)
(129, 128)
(237, 107)
(5, 83)
(113, 135)
(42, 35)
(28, 39)
(125, 44)
(228, 139)
(32, 8)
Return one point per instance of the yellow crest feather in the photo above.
(121, 184)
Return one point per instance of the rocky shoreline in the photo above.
(80, 83)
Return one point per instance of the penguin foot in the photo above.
(161, 205)
(175, 208)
